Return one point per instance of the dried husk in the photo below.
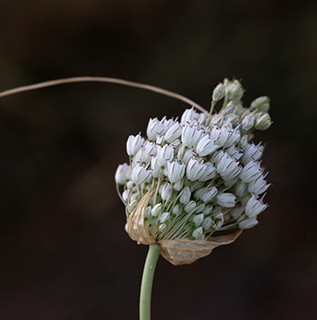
(176, 251)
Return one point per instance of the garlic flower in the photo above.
(194, 177)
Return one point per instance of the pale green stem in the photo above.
(147, 281)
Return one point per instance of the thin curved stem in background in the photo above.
(102, 79)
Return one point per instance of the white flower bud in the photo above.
(241, 189)
(176, 210)
(185, 196)
(164, 217)
(195, 169)
(209, 173)
(263, 121)
(121, 176)
(153, 129)
(205, 146)
(178, 186)
(254, 207)
(165, 191)
(198, 233)
(200, 208)
(251, 172)
(249, 223)
(207, 223)
(190, 135)
(156, 210)
(248, 122)
(155, 167)
(243, 143)
(217, 120)
(134, 143)
(209, 194)
(147, 213)
(258, 186)
(175, 171)
(173, 132)
(226, 199)
(198, 219)
(235, 213)
(208, 210)
(147, 152)
(190, 206)
(261, 104)
(139, 174)
(164, 154)
(125, 195)
(219, 92)
(162, 227)
(234, 90)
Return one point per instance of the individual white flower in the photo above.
(164, 154)
(241, 189)
(185, 154)
(234, 153)
(175, 144)
(165, 125)
(251, 172)
(148, 150)
(254, 207)
(189, 115)
(200, 208)
(139, 174)
(164, 217)
(156, 168)
(185, 196)
(209, 173)
(198, 233)
(195, 169)
(198, 219)
(227, 167)
(209, 194)
(190, 206)
(258, 186)
(148, 211)
(125, 195)
(173, 132)
(249, 223)
(178, 186)
(153, 129)
(176, 210)
(252, 152)
(190, 135)
(134, 143)
(233, 137)
(120, 175)
(157, 209)
(165, 191)
(226, 199)
(208, 209)
(175, 171)
(205, 146)
(220, 136)
(207, 223)
(236, 212)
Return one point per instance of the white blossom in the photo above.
(205, 146)
(175, 171)
(164, 154)
(153, 129)
(185, 196)
(173, 132)
(209, 194)
(226, 199)
(254, 207)
(134, 143)
(190, 135)
(139, 174)
(121, 173)
(251, 171)
(195, 169)
(258, 186)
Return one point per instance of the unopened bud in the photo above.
(263, 121)
(219, 92)
(234, 90)
(261, 104)
(248, 122)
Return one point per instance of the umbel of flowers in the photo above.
(192, 177)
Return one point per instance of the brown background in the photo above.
(64, 253)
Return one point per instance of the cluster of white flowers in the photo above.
(203, 170)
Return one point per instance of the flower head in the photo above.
(191, 178)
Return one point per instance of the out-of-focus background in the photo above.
(64, 252)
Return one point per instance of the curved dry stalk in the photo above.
(102, 79)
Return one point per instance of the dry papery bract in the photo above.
(176, 251)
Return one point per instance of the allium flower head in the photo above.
(192, 178)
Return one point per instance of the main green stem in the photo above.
(147, 281)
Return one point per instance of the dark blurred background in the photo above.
(64, 252)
